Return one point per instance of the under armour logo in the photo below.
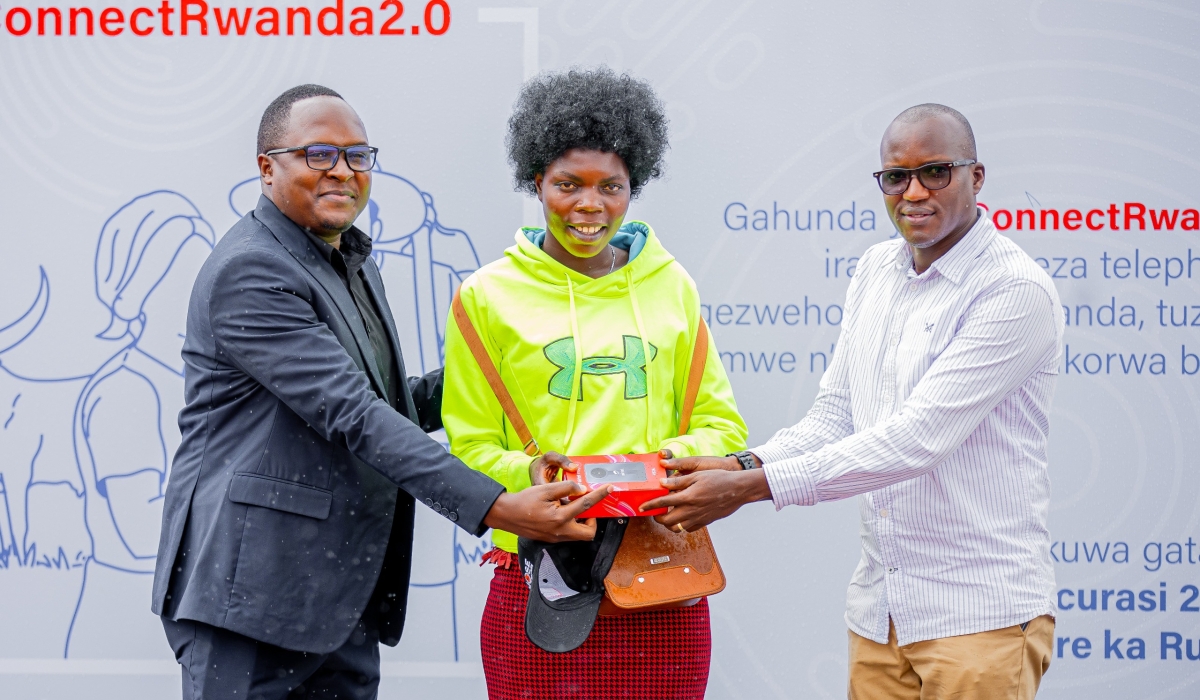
(928, 327)
(561, 354)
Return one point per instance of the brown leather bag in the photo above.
(654, 568)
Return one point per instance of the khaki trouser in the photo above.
(1003, 664)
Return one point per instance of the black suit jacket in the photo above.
(283, 512)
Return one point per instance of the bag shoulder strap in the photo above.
(528, 445)
(695, 375)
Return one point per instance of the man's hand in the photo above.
(545, 469)
(538, 513)
(702, 497)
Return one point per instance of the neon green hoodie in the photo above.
(555, 334)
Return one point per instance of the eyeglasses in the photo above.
(322, 156)
(933, 176)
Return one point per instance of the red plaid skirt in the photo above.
(661, 655)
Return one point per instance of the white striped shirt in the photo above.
(934, 410)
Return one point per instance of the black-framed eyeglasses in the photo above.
(322, 156)
(932, 176)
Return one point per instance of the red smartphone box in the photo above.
(634, 479)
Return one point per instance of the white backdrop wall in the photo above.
(777, 110)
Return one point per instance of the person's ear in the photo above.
(537, 183)
(266, 169)
(977, 177)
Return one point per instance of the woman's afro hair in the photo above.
(594, 109)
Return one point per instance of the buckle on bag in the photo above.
(531, 448)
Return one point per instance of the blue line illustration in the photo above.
(84, 459)
(43, 542)
(16, 332)
(124, 428)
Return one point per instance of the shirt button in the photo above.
(883, 513)
(912, 287)
(891, 569)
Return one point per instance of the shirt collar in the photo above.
(354, 250)
(956, 263)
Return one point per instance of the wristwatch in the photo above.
(744, 458)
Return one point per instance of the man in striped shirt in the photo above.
(934, 412)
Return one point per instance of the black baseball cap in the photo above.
(566, 585)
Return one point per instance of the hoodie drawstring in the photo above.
(577, 378)
(637, 319)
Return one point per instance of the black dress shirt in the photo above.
(347, 261)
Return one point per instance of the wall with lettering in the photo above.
(121, 116)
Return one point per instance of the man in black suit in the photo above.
(287, 529)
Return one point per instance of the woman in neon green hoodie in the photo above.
(591, 323)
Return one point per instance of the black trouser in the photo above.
(220, 665)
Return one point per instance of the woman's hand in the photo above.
(547, 468)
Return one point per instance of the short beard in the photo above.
(930, 244)
(328, 225)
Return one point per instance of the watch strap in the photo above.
(744, 458)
